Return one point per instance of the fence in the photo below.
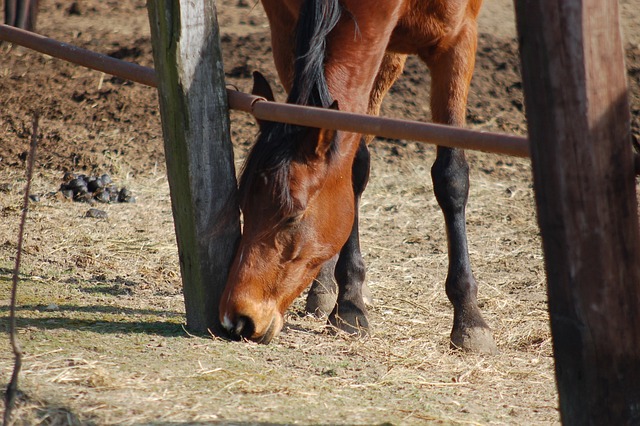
(287, 113)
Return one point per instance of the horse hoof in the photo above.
(351, 320)
(320, 305)
(474, 339)
(356, 326)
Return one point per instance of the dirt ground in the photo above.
(100, 303)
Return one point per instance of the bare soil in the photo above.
(100, 302)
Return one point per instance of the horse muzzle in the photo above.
(240, 326)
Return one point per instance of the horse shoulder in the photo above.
(426, 23)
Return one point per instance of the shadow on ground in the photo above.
(57, 320)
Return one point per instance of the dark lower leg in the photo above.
(350, 313)
(323, 293)
(450, 175)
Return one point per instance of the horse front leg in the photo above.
(450, 174)
(350, 312)
(339, 289)
(451, 70)
(323, 294)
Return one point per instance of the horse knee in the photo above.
(450, 175)
(360, 169)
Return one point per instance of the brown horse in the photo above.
(300, 187)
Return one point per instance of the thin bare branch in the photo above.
(12, 387)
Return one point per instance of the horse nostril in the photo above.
(244, 327)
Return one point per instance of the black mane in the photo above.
(274, 149)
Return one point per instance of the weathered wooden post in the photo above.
(195, 124)
(578, 115)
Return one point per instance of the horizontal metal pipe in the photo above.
(454, 137)
(80, 56)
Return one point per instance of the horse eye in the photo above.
(293, 220)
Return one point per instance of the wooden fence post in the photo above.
(198, 150)
(578, 115)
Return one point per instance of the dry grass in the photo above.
(101, 315)
(101, 311)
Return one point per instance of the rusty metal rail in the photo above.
(287, 113)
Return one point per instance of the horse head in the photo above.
(298, 207)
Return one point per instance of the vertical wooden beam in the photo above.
(195, 124)
(578, 115)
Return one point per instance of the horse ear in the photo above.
(261, 87)
(326, 137)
